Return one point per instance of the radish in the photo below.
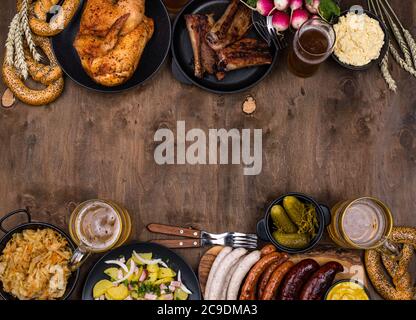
(281, 5)
(295, 4)
(299, 17)
(312, 6)
(264, 7)
(281, 21)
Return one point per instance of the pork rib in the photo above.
(245, 53)
(205, 59)
(231, 27)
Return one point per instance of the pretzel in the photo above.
(380, 267)
(38, 16)
(49, 75)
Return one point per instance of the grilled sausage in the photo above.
(248, 291)
(219, 280)
(276, 278)
(267, 249)
(320, 281)
(265, 277)
(296, 278)
(238, 276)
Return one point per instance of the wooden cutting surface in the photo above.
(338, 135)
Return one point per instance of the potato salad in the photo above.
(140, 278)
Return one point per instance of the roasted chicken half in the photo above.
(112, 38)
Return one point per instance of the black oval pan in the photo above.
(152, 59)
(182, 62)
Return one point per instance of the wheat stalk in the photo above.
(402, 43)
(407, 35)
(412, 44)
(13, 29)
(24, 22)
(402, 63)
(19, 58)
(386, 73)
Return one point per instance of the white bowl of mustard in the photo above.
(347, 290)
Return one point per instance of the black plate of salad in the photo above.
(141, 271)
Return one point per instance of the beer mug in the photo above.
(174, 6)
(313, 43)
(97, 226)
(363, 223)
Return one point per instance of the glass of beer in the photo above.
(363, 223)
(97, 226)
(313, 43)
(174, 6)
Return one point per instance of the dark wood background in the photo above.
(338, 135)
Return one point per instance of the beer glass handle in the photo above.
(78, 258)
(391, 249)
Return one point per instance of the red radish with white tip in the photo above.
(296, 4)
(281, 5)
(312, 6)
(281, 21)
(299, 17)
(264, 7)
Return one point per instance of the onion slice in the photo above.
(152, 261)
(119, 263)
(183, 287)
(129, 273)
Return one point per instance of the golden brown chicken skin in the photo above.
(110, 53)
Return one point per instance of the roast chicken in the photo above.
(112, 37)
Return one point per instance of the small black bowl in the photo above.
(348, 280)
(29, 225)
(265, 226)
(383, 51)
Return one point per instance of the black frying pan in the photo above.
(152, 59)
(168, 256)
(182, 62)
(73, 279)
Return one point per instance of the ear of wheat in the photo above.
(24, 22)
(19, 34)
(406, 42)
(386, 73)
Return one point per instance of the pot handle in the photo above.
(25, 211)
(177, 73)
(261, 230)
(327, 214)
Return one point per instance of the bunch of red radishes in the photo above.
(288, 12)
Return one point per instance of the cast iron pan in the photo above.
(152, 59)
(182, 62)
(169, 257)
(73, 279)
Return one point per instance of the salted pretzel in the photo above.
(38, 16)
(381, 266)
(48, 74)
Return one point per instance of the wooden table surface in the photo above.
(338, 135)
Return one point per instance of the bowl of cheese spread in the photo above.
(361, 40)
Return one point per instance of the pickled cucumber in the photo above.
(294, 209)
(281, 220)
(292, 240)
